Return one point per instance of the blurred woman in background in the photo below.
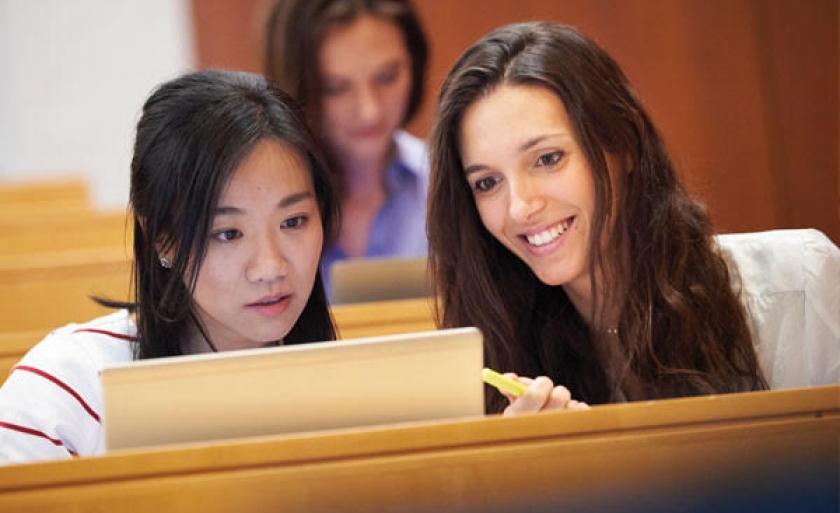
(357, 68)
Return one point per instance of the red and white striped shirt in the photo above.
(51, 404)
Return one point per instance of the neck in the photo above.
(362, 176)
(601, 318)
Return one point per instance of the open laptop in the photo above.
(360, 280)
(324, 385)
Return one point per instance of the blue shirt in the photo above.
(399, 228)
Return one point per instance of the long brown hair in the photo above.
(296, 29)
(682, 330)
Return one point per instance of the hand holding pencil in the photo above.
(528, 395)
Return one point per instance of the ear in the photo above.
(165, 255)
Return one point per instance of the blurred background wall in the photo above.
(73, 77)
(745, 92)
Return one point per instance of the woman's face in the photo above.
(365, 72)
(262, 256)
(531, 182)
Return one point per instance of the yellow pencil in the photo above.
(503, 383)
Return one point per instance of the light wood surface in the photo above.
(43, 192)
(51, 290)
(384, 317)
(642, 454)
(48, 199)
(60, 231)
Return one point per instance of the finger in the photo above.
(525, 381)
(559, 400)
(577, 405)
(533, 399)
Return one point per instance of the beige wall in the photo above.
(745, 92)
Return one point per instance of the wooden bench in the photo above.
(731, 452)
(51, 290)
(65, 232)
(43, 191)
(26, 199)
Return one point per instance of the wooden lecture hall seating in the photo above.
(767, 451)
(760, 451)
(58, 196)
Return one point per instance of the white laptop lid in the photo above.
(324, 385)
(378, 279)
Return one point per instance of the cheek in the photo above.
(491, 212)
(310, 251)
(331, 114)
(399, 96)
(212, 274)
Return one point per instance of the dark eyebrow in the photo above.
(286, 202)
(527, 145)
(530, 143)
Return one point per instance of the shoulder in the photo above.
(412, 152)
(72, 357)
(779, 260)
(50, 405)
(100, 341)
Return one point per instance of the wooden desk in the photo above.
(43, 192)
(627, 457)
(49, 291)
(68, 232)
(384, 317)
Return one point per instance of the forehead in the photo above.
(273, 168)
(509, 115)
(365, 43)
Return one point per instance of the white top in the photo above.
(790, 284)
(51, 404)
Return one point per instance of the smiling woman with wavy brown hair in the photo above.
(558, 226)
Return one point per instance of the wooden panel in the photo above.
(673, 453)
(48, 291)
(62, 231)
(43, 192)
(383, 317)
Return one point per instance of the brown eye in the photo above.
(227, 235)
(485, 184)
(549, 159)
(295, 222)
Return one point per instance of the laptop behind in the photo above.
(325, 385)
(378, 279)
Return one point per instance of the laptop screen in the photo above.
(324, 385)
(378, 279)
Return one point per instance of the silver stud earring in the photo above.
(164, 262)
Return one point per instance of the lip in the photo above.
(551, 246)
(366, 132)
(271, 306)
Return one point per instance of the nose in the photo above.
(268, 262)
(368, 104)
(525, 198)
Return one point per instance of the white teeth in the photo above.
(547, 236)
